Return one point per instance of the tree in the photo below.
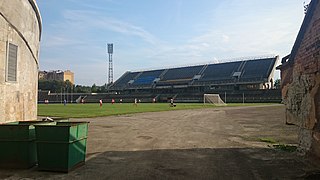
(68, 87)
(67, 84)
(82, 89)
(53, 86)
(94, 88)
(102, 89)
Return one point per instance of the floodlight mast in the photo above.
(110, 52)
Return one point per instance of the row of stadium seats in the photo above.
(240, 71)
(147, 77)
(181, 73)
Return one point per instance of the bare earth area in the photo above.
(221, 143)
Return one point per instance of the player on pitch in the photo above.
(100, 102)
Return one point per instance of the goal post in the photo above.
(213, 99)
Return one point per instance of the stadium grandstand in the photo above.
(249, 80)
(253, 74)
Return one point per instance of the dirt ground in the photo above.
(221, 143)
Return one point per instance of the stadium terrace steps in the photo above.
(182, 73)
(258, 68)
(220, 71)
(125, 79)
(147, 77)
(241, 72)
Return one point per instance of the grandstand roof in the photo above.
(255, 70)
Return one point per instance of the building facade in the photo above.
(20, 33)
(57, 75)
(300, 81)
(68, 75)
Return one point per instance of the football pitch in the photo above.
(94, 110)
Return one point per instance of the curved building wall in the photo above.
(20, 33)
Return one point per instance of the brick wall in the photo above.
(301, 87)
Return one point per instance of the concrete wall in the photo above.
(20, 24)
(301, 86)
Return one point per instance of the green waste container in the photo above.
(61, 147)
(17, 142)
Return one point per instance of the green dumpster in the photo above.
(61, 147)
(17, 142)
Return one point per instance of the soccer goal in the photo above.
(213, 99)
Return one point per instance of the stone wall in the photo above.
(20, 24)
(301, 86)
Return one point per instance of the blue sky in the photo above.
(151, 34)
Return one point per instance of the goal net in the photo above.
(213, 99)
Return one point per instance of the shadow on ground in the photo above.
(220, 163)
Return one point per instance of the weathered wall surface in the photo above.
(20, 24)
(301, 87)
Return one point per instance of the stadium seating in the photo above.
(183, 73)
(257, 69)
(246, 71)
(123, 81)
(147, 77)
(219, 72)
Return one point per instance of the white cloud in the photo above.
(225, 38)
(58, 41)
(88, 20)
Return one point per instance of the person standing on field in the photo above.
(135, 102)
(100, 102)
(172, 104)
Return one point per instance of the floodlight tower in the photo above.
(110, 52)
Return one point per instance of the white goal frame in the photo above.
(213, 99)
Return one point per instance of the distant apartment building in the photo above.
(68, 75)
(57, 75)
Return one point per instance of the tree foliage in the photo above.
(67, 86)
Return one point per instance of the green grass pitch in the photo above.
(94, 110)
